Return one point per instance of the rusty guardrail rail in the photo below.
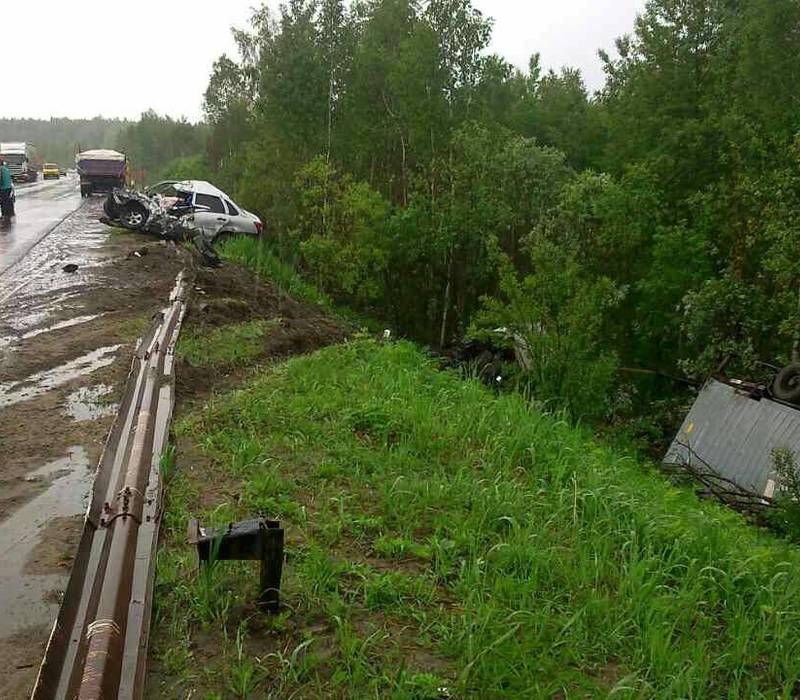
(98, 645)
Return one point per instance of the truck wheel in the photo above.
(133, 216)
(786, 386)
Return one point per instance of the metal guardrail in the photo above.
(98, 645)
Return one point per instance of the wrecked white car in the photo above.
(202, 206)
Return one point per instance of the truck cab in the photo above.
(19, 158)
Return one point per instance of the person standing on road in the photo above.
(6, 203)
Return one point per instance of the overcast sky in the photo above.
(82, 58)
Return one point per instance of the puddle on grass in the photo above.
(42, 382)
(27, 600)
(90, 403)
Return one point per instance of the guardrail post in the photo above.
(260, 539)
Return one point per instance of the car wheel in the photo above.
(786, 386)
(133, 217)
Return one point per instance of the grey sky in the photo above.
(106, 57)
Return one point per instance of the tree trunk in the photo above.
(446, 309)
(403, 170)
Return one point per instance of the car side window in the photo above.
(232, 210)
(214, 204)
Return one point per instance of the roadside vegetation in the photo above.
(631, 235)
(447, 542)
(232, 345)
(261, 258)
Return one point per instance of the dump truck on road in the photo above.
(101, 170)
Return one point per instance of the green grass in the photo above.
(232, 345)
(441, 536)
(131, 328)
(259, 256)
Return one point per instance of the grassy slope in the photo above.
(440, 536)
(233, 345)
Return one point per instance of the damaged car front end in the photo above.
(192, 210)
(214, 212)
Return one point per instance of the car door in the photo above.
(213, 218)
(239, 222)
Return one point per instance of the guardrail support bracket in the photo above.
(260, 540)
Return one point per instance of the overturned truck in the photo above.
(731, 440)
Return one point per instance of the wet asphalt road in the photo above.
(40, 207)
(66, 342)
(67, 338)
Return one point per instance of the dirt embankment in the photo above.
(232, 295)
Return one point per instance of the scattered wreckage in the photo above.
(190, 210)
(734, 442)
(733, 436)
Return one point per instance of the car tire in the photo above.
(786, 385)
(133, 217)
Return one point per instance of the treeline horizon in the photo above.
(151, 140)
(59, 139)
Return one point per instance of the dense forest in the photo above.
(58, 140)
(653, 225)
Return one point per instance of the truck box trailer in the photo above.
(101, 170)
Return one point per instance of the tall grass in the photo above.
(526, 560)
(259, 256)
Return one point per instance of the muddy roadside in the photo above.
(233, 295)
(71, 313)
(215, 358)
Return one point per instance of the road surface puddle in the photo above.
(90, 403)
(42, 382)
(68, 323)
(26, 599)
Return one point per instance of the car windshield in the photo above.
(164, 188)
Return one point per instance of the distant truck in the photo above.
(20, 157)
(101, 170)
